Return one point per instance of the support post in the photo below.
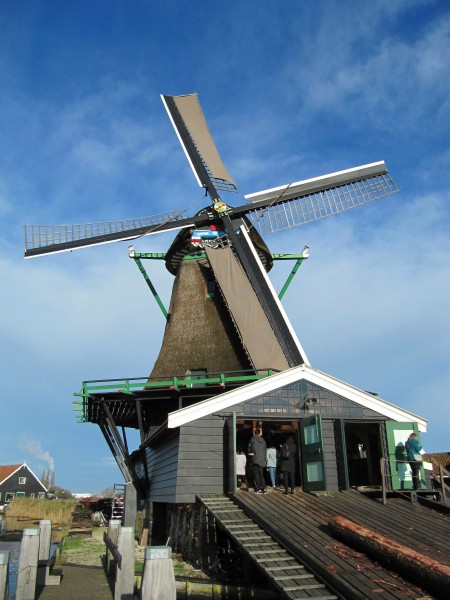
(383, 479)
(158, 578)
(124, 587)
(113, 533)
(130, 500)
(28, 561)
(4, 567)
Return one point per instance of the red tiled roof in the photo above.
(7, 470)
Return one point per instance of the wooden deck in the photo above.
(299, 523)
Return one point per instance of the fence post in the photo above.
(45, 534)
(113, 533)
(124, 587)
(45, 539)
(158, 578)
(4, 566)
(28, 561)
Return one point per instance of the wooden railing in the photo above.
(443, 472)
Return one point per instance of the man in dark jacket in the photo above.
(257, 450)
(288, 452)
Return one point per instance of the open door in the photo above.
(397, 434)
(312, 459)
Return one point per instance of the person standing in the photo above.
(271, 460)
(288, 452)
(241, 461)
(257, 450)
(413, 449)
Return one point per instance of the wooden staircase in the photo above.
(289, 577)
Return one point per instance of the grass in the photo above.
(58, 511)
(89, 551)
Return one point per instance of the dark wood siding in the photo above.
(201, 458)
(32, 484)
(162, 466)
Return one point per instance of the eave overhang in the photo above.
(265, 386)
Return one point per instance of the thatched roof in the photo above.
(199, 333)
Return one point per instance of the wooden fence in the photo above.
(34, 563)
(158, 578)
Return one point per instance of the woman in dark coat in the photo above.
(288, 453)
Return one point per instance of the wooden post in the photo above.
(4, 566)
(45, 538)
(158, 578)
(28, 561)
(383, 479)
(130, 500)
(45, 534)
(113, 533)
(124, 587)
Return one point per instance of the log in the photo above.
(428, 573)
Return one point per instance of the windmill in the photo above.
(224, 308)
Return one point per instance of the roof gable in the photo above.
(275, 382)
(7, 470)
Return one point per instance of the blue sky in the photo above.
(291, 90)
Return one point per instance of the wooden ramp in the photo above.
(299, 523)
(289, 576)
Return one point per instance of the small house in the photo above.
(19, 481)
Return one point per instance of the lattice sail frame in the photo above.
(41, 236)
(320, 204)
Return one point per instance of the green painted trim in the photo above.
(150, 284)
(290, 277)
(126, 386)
(151, 255)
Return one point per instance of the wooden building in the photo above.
(19, 481)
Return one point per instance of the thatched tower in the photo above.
(200, 334)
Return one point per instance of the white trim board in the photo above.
(275, 382)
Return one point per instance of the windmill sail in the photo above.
(251, 321)
(197, 142)
(49, 239)
(312, 199)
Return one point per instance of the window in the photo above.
(41, 495)
(20, 494)
(197, 374)
(9, 496)
(32, 495)
(22, 480)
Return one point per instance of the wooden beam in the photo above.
(425, 571)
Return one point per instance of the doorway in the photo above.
(275, 433)
(363, 453)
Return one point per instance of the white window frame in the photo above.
(22, 480)
(41, 495)
(9, 496)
